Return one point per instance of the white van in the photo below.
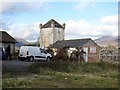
(33, 53)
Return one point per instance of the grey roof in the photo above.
(6, 38)
(73, 43)
(48, 24)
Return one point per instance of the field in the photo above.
(64, 74)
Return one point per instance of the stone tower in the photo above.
(50, 33)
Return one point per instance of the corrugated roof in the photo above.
(72, 43)
(6, 37)
(48, 24)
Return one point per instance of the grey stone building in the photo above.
(50, 33)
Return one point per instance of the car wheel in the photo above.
(31, 58)
(48, 58)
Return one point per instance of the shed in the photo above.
(88, 45)
(6, 39)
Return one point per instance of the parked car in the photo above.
(3, 54)
(32, 53)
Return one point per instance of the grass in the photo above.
(64, 74)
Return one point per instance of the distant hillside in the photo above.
(21, 42)
(33, 43)
(108, 40)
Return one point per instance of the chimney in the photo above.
(40, 26)
(63, 25)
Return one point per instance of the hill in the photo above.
(108, 40)
(21, 42)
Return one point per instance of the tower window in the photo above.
(59, 35)
(58, 32)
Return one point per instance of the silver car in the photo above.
(3, 54)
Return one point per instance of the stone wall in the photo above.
(109, 53)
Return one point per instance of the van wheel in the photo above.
(31, 58)
(48, 58)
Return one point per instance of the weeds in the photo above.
(64, 74)
(73, 67)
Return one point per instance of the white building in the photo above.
(50, 33)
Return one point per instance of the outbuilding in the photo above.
(88, 45)
(6, 39)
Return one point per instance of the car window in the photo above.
(45, 52)
(42, 51)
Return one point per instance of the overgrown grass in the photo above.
(65, 74)
(73, 67)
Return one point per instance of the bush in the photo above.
(61, 55)
(14, 55)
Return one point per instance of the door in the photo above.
(43, 54)
(86, 55)
(39, 55)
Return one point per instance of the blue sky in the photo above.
(83, 19)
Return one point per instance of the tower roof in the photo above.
(48, 24)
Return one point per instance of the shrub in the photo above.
(14, 55)
(61, 55)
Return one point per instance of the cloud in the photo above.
(74, 29)
(24, 31)
(84, 5)
(5, 23)
(22, 7)
(86, 29)
(110, 19)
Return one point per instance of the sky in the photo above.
(82, 19)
